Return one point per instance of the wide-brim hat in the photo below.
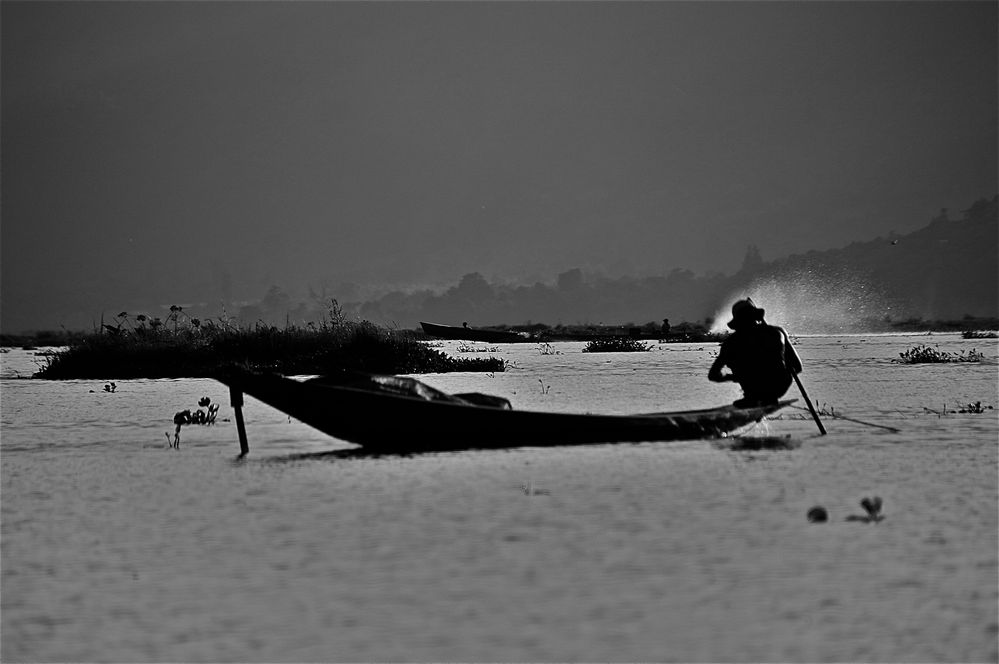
(745, 311)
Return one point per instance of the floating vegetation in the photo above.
(976, 408)
(616, 345)
(925, 355)
(979, 334)
(971, 408)
(140, 347)
(873, 508)
(546, 348)
(818, 514)
(465, 347)
(200, 416)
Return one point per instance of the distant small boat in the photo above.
(399, 415)
(466, 333)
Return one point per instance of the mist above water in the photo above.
(807, 304)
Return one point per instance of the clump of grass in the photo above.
(464, 347)
(196, 349)
(979, 334)
(976, 408)
(616, 345)
(926, 355)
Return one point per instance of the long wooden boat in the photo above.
(466, 333)
(402, 415)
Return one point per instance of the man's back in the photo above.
(758, 357)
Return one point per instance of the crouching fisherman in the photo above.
(760, 357)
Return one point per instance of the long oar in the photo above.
(811, 408)
(801, 388)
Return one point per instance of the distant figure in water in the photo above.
(760, 357)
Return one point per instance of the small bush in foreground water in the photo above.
(616, 345)
(927, 355)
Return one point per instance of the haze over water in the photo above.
(116, 548)
(171, 153)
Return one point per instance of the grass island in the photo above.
(135, 348)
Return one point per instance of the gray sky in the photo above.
(151, 148)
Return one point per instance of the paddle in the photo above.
(804, 394)
(811, 408)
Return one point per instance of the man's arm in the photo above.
(791, 358)
(715, 372)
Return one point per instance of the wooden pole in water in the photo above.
(811, 408)
(236, 399)
(801, 388)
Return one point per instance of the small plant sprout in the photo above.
(544, 389)
(873, 508)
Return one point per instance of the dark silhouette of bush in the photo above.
(199, 351)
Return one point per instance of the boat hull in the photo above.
(404, 424)
(472, 334)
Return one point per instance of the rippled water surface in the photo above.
(116, 548)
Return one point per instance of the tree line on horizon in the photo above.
(945, 271)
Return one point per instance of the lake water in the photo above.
(117, 548)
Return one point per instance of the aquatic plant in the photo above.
(978, 334)
(818, 514)
(925, 355)
(465, 347)
(200, 416)
(546, 348)
(185, 350)
(873, 508)
(976, 408)
(616, 345)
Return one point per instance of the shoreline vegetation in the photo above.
(969, 327)
(182, 347)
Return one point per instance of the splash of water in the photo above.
(806, 303)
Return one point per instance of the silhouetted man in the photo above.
(760, 357)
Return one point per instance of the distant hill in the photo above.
(947, 270)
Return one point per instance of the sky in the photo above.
(202, 151)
